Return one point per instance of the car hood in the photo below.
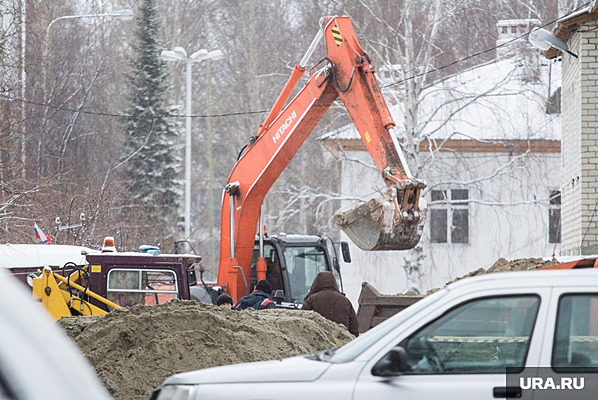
(294, 369)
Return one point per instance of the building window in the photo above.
(554, 217)
(553, 105)
(449, 216)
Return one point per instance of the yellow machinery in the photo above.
(62, 296)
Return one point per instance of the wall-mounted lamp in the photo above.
(544, 40)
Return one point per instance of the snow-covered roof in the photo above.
(501, 100)
(38, 255)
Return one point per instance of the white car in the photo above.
(454, 344)
(37, 360)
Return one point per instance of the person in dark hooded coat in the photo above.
(325, 299)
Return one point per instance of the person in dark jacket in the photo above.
(259, 299)
(325, 299)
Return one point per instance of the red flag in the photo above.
(40, 235)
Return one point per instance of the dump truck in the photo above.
(375, 307)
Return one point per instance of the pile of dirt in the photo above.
(133, 350)
(521, 264)
(501, 265)
(504, 265)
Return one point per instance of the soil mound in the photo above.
(134, 349)
(504, 265)
(521, 264)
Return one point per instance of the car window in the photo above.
(363, 342)
(481, 336)
(576, 334)
(128, 287)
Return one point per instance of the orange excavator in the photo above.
(393, 222)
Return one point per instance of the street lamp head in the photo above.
(215, 55)
(169, 55)
(203, 54)
(123, 14)
(181, 52)
(544, 40)
(199, 55)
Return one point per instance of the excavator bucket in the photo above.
(375, 225)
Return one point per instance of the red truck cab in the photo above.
(128, 279)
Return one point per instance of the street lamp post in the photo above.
(121, 14)
(179, 54)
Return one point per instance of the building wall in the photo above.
(508, 217)
(580, 143)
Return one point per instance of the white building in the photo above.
(489, 150)
(580, 129)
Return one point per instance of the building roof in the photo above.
(567, 25)
(502, 100)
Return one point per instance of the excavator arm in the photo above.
(391, 223)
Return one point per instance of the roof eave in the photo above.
(566, 26)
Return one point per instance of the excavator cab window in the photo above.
(273, 272)
(295, 273)
(303, 264)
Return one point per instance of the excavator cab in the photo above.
(293, 261)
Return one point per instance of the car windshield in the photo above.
(354, 348)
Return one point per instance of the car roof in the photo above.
(37, 255)
(539, 277)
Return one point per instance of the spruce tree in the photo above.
(151, 165)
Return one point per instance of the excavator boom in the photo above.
(390, 223)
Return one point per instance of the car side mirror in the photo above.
(345, 252)
(394, 363)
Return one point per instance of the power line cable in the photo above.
(481, 52)
(126, 116)
(107, 114)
